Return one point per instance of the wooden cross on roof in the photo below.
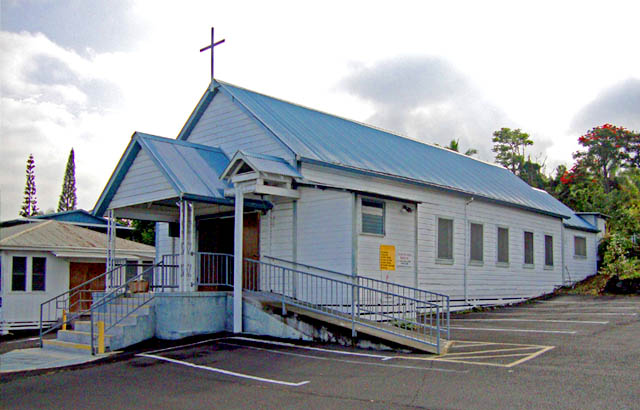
(211, 46)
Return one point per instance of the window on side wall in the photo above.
(372, 216)
(476, 243)
(38, 274)
(19, 273)
(548, 250)
(528, 248)
(445, 239)
(503, 245)
(580, 246)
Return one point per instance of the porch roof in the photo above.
(192, 170)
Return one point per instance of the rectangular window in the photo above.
(528, 248)
(38, 273)
(580, 246)
(19, 273)
(548, 250)
(372, 216)
(503, 245)
(445, 238)
(476, 243)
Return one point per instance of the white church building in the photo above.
(322, 191)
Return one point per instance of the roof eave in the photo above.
(431, 185)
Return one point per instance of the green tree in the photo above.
(509, 146)
(30, 203)
(68, 200)
(454, 145)
(608, 149)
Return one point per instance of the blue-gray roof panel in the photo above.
(329, 139)
(195, 169)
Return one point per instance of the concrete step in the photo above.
(132, 319)
(85, 326)
(54, 344)
(80, 337)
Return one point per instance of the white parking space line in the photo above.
(187, 345)
(591, 322)
(606, 303)
(377, 356)
(565, 332)
(222, 371)
(551, 309)
(565, 314)
(306, 356)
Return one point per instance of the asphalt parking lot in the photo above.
(566, 352)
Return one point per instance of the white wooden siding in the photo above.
(165, 245)
(143, 183)
(276, 231)
(225, 125)
(23, 306)
(486, 281)
(578, 268)
(324, 229)
(399, 232)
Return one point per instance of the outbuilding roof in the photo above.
(317, 137)
(56, 237)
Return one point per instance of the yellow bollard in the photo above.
(64, 319)
(101, 337)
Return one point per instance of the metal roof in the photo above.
(263, 163)
(576, 222)
(52, 236)
(192, 169)
(326, 139)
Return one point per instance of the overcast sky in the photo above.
(87, 74)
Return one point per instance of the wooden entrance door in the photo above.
(216, 236)
(251, 249)
(79, 273)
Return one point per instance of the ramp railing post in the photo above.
(284, 310)
(100, 337)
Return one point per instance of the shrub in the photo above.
(617, 259)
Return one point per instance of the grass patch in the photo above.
(593, 285)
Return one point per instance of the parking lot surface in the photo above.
(566, 352)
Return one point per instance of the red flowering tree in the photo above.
(608, 149)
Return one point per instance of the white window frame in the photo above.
(575, 253)
(384, 216)
(498, 261)
(553, 256)
(476, 262)
(445, 261)
(524, 249)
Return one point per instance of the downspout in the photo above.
(562, 247)
(464, 262)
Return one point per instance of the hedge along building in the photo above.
(305, 187)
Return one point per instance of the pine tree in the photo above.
(30, 204)
(68, 199)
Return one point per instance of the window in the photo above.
(528, 248)
(372, 216)
(38, 273)
(19, 273)
(476, 243)
(580, 246)
(548, 250)
(445, 239)
(503, 245)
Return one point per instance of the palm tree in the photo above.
(454, 145)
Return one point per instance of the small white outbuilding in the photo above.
(42, 259)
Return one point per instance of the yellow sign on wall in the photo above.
(387, 257)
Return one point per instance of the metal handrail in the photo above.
(115, 313)
(62, 302)
(411, 318)
(443, 300)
